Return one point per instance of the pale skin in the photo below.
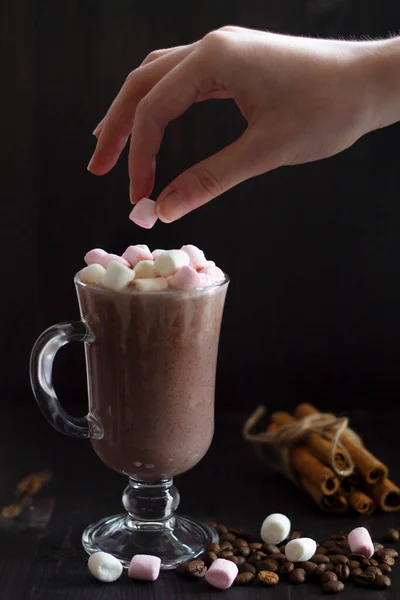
(303, 99)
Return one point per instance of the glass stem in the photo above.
(150, 501)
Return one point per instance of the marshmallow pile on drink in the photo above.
(139, 268)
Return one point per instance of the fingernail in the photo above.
(171, 207)
(89, 167)
(97, 131)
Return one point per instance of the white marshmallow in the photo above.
(105, 567)
(117, 276)
(157, 252)
(169, 262)
(196, 256)
(145, 269)
(300, 550)
(275, 528)
(210, 263)
(92, 274)
(157, 284)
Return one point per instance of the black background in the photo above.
(312, 251)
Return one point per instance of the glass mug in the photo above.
(151, 363)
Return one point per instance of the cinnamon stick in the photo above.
(370, 468)
(336, 503)
(361, 503)
(386, 495)
(312, 469)
(318, 446)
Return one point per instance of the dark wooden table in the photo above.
(229, 485)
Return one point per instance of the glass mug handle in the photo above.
(41, 372)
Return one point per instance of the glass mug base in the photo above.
(177, 540)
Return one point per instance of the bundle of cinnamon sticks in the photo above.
(338, 473)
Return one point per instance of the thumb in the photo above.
(213, 176)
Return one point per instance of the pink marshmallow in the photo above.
(185, 278)
(109, 257)
(215, 273)
(144, 566)
(95, 256)
(222, 573)
(206, 280)
(197, 258)
(135, 254)
(144, 213)
(360, 542)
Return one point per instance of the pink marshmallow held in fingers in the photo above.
(144, 566)
(222, 573)
(185, 278)
(215, 273)
(360, 542)
(135, 254)
(95, 256)
(144, 213)
(109, 257)
(197, 258)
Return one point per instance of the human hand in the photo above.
(303, 99)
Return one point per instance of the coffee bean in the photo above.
(358, 557)
(318, 571)
(294, 536)
(244, 578)
(343, 572)
(391, 552)
(267, 564)
(244, 551)
(297, 576)
(267, 578)
(365, 562)
(378, 547)
(239, 542)
(271, 549)
(282, 549)
(247, 568)
(339, 537)
(385, 569)
(391, 535)
(321, 550)
(328, 576)
(225, 546)
(362, 580)
(254, 546)
(354, 564)
(240, 533)
(338, 559)
(195, 569)
(382, 582)
(285, 568)
(214, 547)
(334, 550)
(374, 570)
(330, 544)
(320, 559)
(221, 529)
(307, 565)
(181, 569)
(227, 537)
(256, 557)
(226, 554)
(238, 560)
(385, 559)
(212, 524)
(278, 557)
(373, 562)
(329, 566)
(333, 587)
(209, 558)
(356, 572)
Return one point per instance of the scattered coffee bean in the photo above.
(224, 546)
(209, 558)
(196, 569)
(221, 529)
(365, 562)
(212, 524)
(334, 550)
(297, 576)
(391, 552)
(247, 568)
(339, 559)
(282, 549)
(244, 578)
(294, 536)
(319, 559)
(382, 582)
(342, 572)
(240, 533)
(356, 572)
(358, 557)
(354, 564)
(378, 547)
(307, 565)
(391, 535)
(385, 569)
(329, 566)
(271, 549)
(321, 550)
(339, 537)
(330, 544)
(318, 571)
(244, 551)
(375, 570)
(285, 568)
(333, 587)
(267, 564)
(214, 547)
(278, 557)
(239, 542)
(238, 560)
(328, 576)
(226, 554)
(181, 569)
(385, 559)
(227, 537)
(254, 546)
(254, 558)
(362, 580)
(267, 578)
